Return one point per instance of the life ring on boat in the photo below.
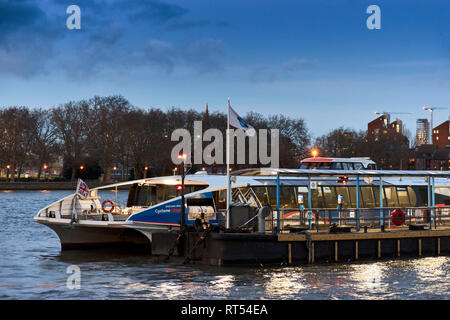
(107, 210)
(398, 217)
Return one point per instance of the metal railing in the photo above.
(320, 218)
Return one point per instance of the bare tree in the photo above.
(44, 138)
(71, 121)
(15, 130)
(341, 142)
(106, 129)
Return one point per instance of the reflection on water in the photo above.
(33, 267)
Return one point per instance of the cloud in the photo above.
(262, 74)
(116, 36)
(298, 64)
(171, 17)
(205, 55)
(26, 38)
(288, 69)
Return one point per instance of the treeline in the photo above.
(389, 150)
(96, 134)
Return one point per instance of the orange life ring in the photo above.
(106, 210)
(398, 217)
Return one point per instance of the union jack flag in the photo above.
(82, 189)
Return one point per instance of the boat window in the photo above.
(325, 165)
(376, 194)
(220, 198)
(412, 197)
(391, 196)
(358, 166)
(367, 197)
(316, 198)
(372, 166)
(172, 192)
(329, 197)
(344, 192)
(287, 197)
(336, 165)
(145, 195)
(141, 196)
(261, 193)
(403, 199)
(347, 165)
(160, 194)
(352, 193)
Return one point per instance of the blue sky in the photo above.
(311, 59)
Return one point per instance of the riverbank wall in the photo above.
(48, 185)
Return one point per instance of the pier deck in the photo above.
(314, 247)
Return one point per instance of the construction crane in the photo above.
(431, 109)
(388, 112)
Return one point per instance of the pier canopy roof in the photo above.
(340, 173)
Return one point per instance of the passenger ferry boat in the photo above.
(325, 163)
(153, 205)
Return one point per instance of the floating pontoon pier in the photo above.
(336, 235)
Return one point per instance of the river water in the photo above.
(32, 266)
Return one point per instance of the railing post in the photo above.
(357, 205)
(309, 203)
(381, 204)
(429, 201)
(433, 202)
(278, 202)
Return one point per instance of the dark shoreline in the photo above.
(48, 185)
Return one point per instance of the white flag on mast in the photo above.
(238, 122)
(82, 189)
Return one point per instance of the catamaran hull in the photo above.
(75, 236)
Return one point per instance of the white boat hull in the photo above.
(93, 235)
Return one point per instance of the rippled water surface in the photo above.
(33, 267)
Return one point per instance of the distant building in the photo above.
(378, 126)
(441, 135)
(397, 126)
(429, 156)
(422, 132)
(382, 125)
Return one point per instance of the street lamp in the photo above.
(7, 172)
(81, 168)
(45, 167)
(314, 152)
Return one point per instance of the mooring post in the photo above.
(381, 204)
(357, 205)
(278, 202)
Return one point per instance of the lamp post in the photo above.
(183, 173)
(45, 167)
(7, 172)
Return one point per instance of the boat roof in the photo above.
(328, 159)
(340, 173)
